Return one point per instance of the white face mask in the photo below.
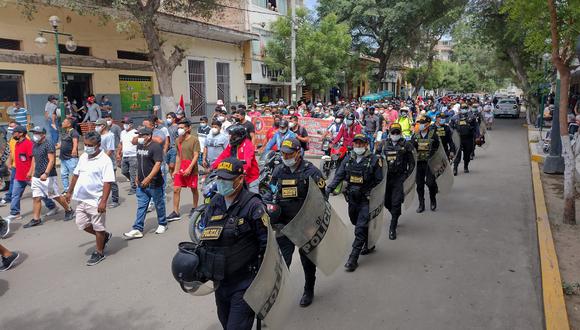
(221, 118)
(90, 150)
(126, 127)
(141, 140)
(169, 121)
(283, 130)
(36, 137)
(291, 125)
(180, 131)
(292, 112)
(422, 127)
(215, 131)
(289, 162)
(348, 122)
(99, 128)
(395, 137)
(338, 120)
(109, 122)
(359, 151)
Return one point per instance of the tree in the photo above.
(322, 49)
(564, 24)
(145, 15)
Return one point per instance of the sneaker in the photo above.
(96, 257)
(69, 215)
(4, 227)
(8, 262)
(191, 211)
(51, 212)
(12, 217)
(107, 239)
(113, 205)
(4, 202)
(133, 234)
(160, 229)
(33, 223)
(173, 217)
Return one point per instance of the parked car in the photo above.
(507, 107)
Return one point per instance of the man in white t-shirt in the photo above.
(90, 186)
(127, 154)
(108, 146)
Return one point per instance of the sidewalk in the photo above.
(537, 150)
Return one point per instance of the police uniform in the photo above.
(426, 146)
(232, 242)
(290, 189)
(400, 163)
(446, 136)
(466, 125)
(362, 173)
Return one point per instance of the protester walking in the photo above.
(127, 154)
(108, 146)
(69, 153)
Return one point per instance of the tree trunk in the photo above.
(567, 153)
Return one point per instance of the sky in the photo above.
(311, 4)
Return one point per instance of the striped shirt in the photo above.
(20, 115)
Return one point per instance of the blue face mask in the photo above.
(225, 187)
(442, 121)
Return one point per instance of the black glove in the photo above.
(327, 192)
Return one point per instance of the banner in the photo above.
(314, 126)
(136, 93)
(271, 295)
(319, 232)
(441, 169)
(376, 206)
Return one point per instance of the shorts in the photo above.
(48, 188)
(170, 156)
(185, 181)
(87, 214)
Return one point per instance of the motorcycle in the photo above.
(208, 191)
(267, 163)
(333, 157)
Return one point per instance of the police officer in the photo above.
(466, 125)
(290, 187)
(363, 171)
(234, 238)
(445, 135)
(426, 143)
(401, 162)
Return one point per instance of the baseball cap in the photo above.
(38, 129)
(145, 131)
(101, 121)
(396, 127)
(20, 129)
(360, 137)
(127, 120)
(230, 168)
(290, 146)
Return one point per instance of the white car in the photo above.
(507, 107)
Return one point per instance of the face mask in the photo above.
(289, 162)
(221, 118)
(283, 131)
(36, 138)
(348, 122)
(215, 131)
(463, 111)
(292, 112)
(403, 114)
(126, 127)
(225, 187)
(169, 121)
(90, 150)
(395, 137)
(203, 124)
(441, 121)
(292, 125)
(109, 122)
(338, 120)
(141, 140)
(98, 129)
(359, 151)
(180, 131)
(422, 127)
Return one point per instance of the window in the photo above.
(136, 56)
(275, 5)
(81, 50)
(223, 83)
(196, 71)
(136, 93)
(10, 44)
(10, 88)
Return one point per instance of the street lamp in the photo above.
(70, 45)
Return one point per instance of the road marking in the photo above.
(555, 314)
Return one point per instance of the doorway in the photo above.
(77, 87)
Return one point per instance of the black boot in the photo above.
(466, 169)
(433, 203)
(367, 250)
(352, 263)
(393, 228)
(307, 298)
(421, 207)
(455, 171)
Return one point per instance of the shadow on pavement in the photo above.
(3, 287)
(89, 317)
(115, 245)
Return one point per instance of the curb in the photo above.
(555, 313)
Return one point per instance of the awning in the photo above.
(377, 96)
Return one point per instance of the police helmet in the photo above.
(184, 266)
(237, 134)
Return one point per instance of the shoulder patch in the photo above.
(265, 219)
(321, 183)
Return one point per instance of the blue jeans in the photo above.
(371, 141)
(66, 170)
(144, 196)
(17, 191)
(8, 196)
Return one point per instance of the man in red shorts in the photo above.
(185, 173)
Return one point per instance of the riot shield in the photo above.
(319, 232)
(376, 206)
(441, 169)
(409, 184)
(456, 139)
(270, 294)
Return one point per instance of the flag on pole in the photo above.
(181, 106)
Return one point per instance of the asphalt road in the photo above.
(471, 265)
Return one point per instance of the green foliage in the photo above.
(322, 49)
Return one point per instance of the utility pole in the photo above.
(554, 162)
(293, 50)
